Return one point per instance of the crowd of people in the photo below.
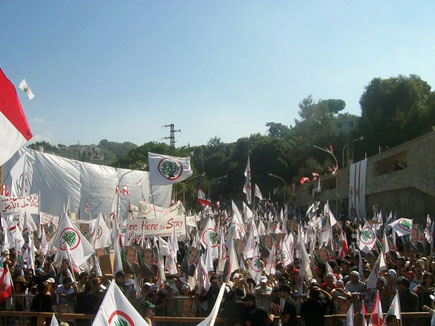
(338, 280)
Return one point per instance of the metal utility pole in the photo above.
(172, 132)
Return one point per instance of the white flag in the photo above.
(117, 249)
(305, 264)
(367, 238)
(101, 235)
(395, 307)
(117, 310)
(210, 320)
(54, 321)
(43, 244)
(247, 188)
(386, 245)
(349, 316)
(255, 266)
(23, 86)
(402, 226)
(257, 192)
(373, 276)
(80, 248)
(166, 169)
(233, 261)
(248, 251)
(203, 274)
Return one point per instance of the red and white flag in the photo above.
(304, 180)
(376, 318)
(14, 129)
(5, 284)
(344, 250)
(202, 199)
(363, 314)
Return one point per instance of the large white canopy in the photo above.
(56, 178)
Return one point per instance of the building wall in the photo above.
(401, 179)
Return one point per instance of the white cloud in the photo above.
(38, 120)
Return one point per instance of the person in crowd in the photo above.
(21, 289)
(391, 320)
(408, 299)
(82, 281)
(65, 294)
(425, 290)
(235, 310)
(210, 296)
(42, 301)
(330, 283)
(256, 315)
(86, 304)
(313, 310)
(263, 294)
(286, 308)
(120, 280)
(339, 296)
(355, 284)
(410, 276)
(148, 313)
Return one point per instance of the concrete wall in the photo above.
(401, 179)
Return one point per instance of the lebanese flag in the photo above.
(202, 199)
(364, 314)
(344, 250)
(376, 318)
(14, 129)
(5, 284)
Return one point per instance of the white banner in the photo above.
(158, 226)
(150, 211)
(357, 189)
(21, 205)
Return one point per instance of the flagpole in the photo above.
(152, 199)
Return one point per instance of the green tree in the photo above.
(395, 110)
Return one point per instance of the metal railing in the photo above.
(15, 318)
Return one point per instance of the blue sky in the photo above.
(121, 69)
